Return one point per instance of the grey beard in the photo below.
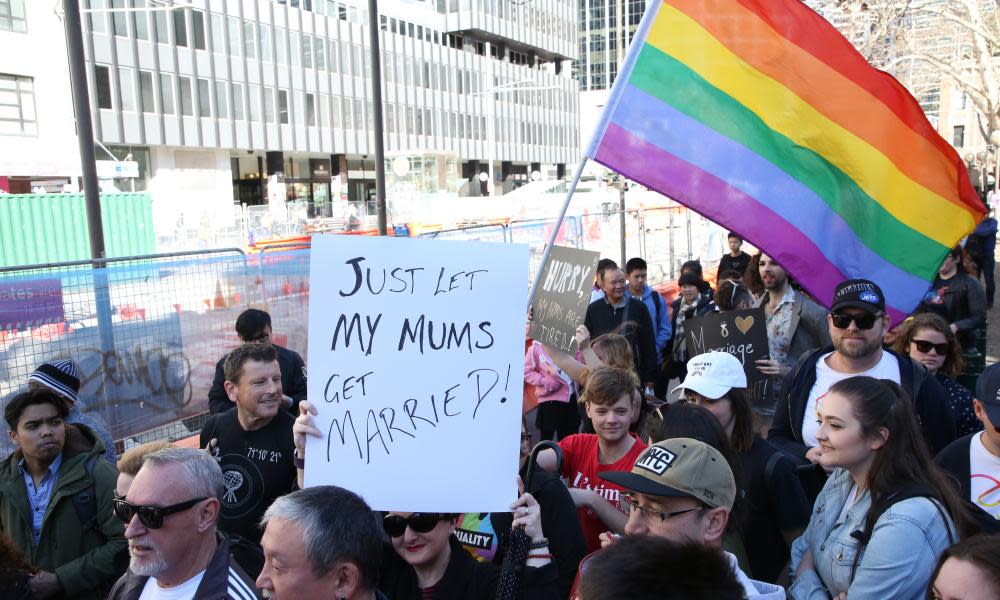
(149, 568)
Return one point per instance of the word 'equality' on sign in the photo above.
(411, 347)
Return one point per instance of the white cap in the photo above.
(713, 374)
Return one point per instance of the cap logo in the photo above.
(656, 460)
(869, 297)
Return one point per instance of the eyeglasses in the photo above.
(650, 512)
(260, 339)
(151, 516)
(395, 525)
(925, 347)
(864, 321)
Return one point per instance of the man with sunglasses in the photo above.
(857, 323)
(55, 500)
(683, 490)
(170, 515)
(254, 327)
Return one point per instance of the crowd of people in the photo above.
(866, 471)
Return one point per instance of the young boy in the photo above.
(611, 400)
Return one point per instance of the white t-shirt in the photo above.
(984, 468)
(887, 368)
(184, 591)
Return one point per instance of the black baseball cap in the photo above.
(988, 392)
(858, 293)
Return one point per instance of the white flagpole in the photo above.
(555, 230)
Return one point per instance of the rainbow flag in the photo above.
(759, 115)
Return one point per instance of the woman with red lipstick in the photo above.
(425, 560)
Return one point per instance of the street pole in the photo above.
(621, 216)
(373, 30)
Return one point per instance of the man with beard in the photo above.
(170, 514)
(252, 441)
(857, 322)
(795, 325)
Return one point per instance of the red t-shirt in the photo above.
(580, 468)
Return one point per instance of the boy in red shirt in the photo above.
(611, 400)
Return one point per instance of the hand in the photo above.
(607, 538)
(772, 367)
(581, 497)
(841, 596)
(44, 585)
(582, 336)
(286, 400)
(953, 327)
(812, 455)
(304, 426)
(529, 514)
(212, 446)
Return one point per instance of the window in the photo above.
(198, 28)
(160, 25)
(293, 48)
(250, 39)
(265, 42)
(96, 17)
(119, 19)
(187, 99)
(348, 113)
(269, 105)
(126, 89)
(334, 61)
(335, 120)
(254, 102)
(102, 85)
(221, 107)
(283, 107)
(167, 93)
(17, 106)
(307, 54)
(234, 37)
(237, 93)
(180, 28)
(320, 51)
(958, 136)
(310, 109)
(279, 46)
(12, 16)
(140, 20)
(218, 40)
(147, 95)
(204, 98)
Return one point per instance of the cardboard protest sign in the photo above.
(742, 333)
(560, 302)
(416, 350)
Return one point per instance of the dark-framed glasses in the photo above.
(395, 525)
(864, 321)
(150, 516)
(925, 347)
(633, 504)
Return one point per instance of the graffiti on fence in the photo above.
(159, 376)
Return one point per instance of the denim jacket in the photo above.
(898, 561)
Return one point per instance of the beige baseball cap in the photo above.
(680, 467)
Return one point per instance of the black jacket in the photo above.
(954, 461)
(603, 318)
(927, 394)
(464, 578)
(293, 382)
(963, 304)
(224, 579)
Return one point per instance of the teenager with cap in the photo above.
(857, 322)
(683, 490)
(63, 378)
(974, 460)
(778, 509)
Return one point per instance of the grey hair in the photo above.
(202, 471)
(337, 526)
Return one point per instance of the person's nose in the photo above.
(134, 528)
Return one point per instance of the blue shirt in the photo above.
(39, 497)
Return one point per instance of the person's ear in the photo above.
(208, 515)
(880, 438)
(344, 580)
(12, 434)
(715, 521)
(230, 390)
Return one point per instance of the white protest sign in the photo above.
(416, 353)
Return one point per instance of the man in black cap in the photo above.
(974, 460)
(857, 322)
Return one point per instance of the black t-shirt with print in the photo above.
(256, 465)
(738, 263)
(776, 503)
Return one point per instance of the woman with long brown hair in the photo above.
(15, 570)
(887, 512)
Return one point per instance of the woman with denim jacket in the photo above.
(870, 439)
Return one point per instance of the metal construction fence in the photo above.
(147, 331)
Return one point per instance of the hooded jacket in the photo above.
(925, 391)
(87, 558)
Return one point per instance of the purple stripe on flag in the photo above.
(712, 197)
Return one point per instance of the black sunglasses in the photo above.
(925, 347)
(151, 516)
(395, 525)
(864, 321)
